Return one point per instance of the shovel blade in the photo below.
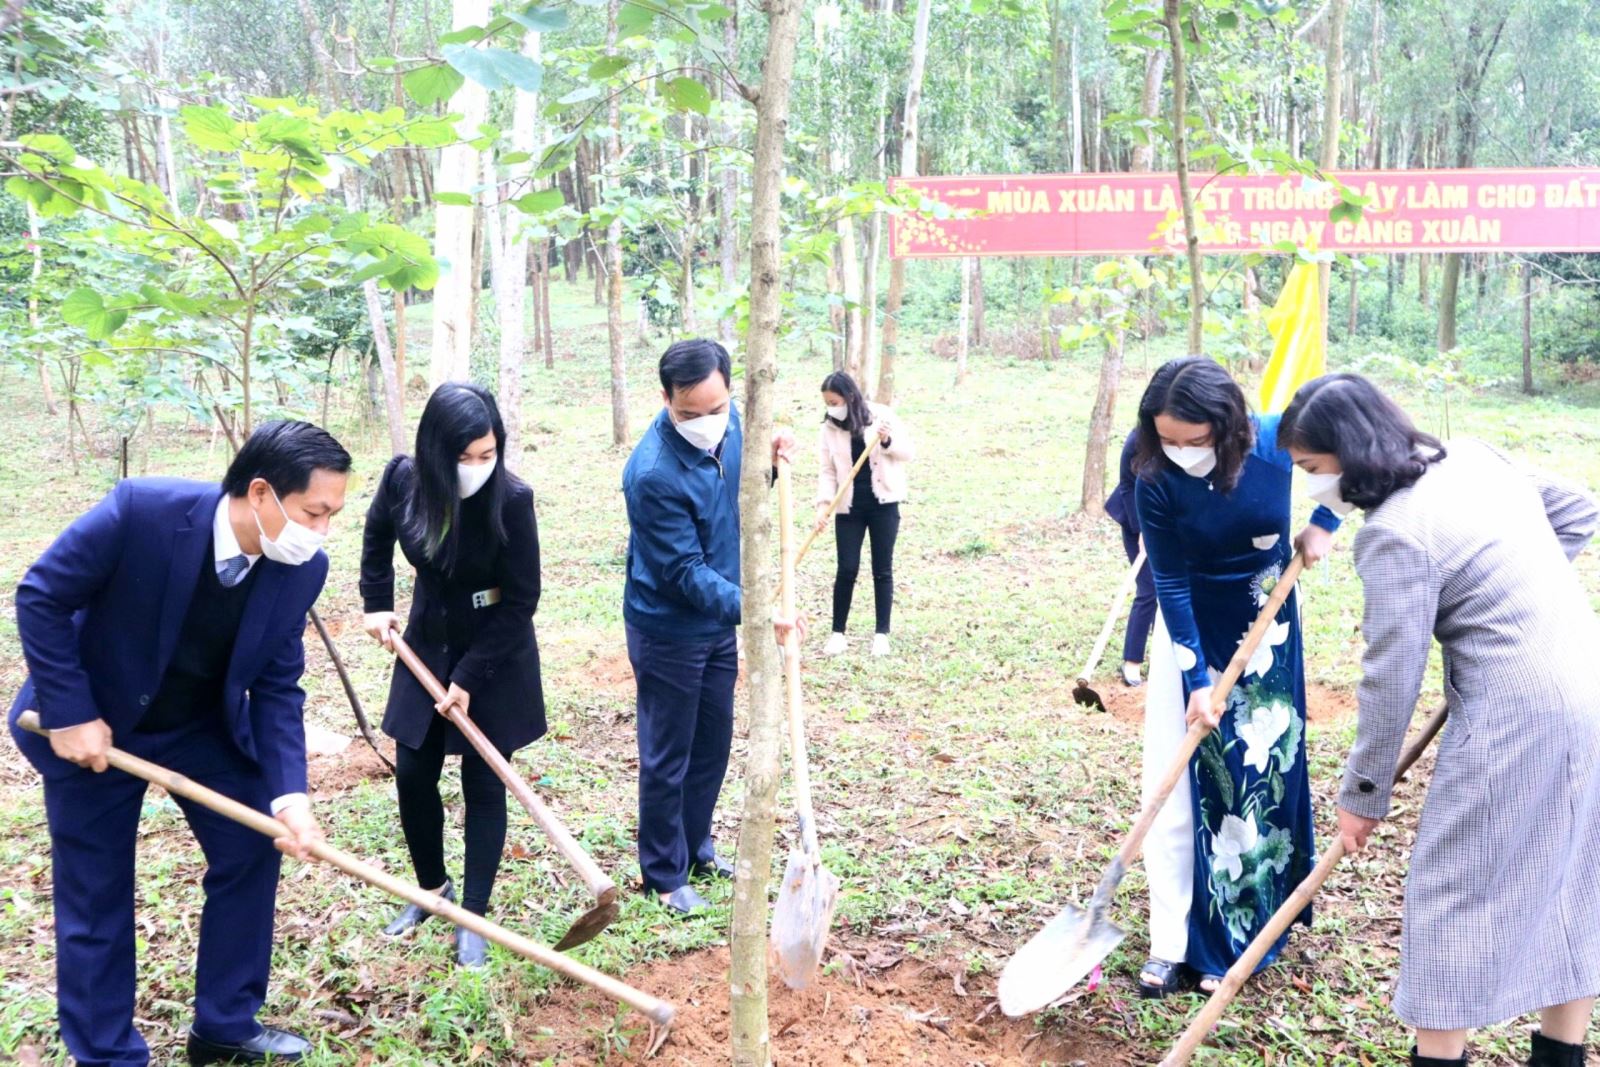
(1056, 959)
(589, 925)
(1082, 694)
(801, 919)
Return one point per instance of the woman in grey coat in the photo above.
(1502, 904)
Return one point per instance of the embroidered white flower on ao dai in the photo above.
(1261, 659)
(1237, 838)
(1261, 731)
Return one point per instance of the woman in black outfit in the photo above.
(467, 525)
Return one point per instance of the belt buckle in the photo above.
(480, 599)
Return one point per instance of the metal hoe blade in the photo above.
(801, 919)
(589, 925)
(1056, 959)
(1082, 694)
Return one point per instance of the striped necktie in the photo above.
(229, 571)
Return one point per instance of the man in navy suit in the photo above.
(168, 621)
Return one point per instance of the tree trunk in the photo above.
(1105, 407)
(1155, 65)
(869, 276)
(750, 1031)
(544, 303)
(167, 104)
(908, 169)
(1527, 328)
(979, 336)
(1332, 108)
(1077, 100)
(510, 264)
(450, 357)
(1180, 149)
(850, 276)
(964, 320)
(613, 271)
(46, 390)
(728, 196)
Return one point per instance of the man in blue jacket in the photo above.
(680, 605)
(168, 621)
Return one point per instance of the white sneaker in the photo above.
(880, 644)
(836, 645)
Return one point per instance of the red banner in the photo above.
(1551, 210)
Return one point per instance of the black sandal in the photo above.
(1175, 978)
(1215, 979)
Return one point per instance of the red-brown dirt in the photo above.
(910, 1012)
(1322, 703)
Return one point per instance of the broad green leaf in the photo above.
(465, 35)
(1227, 20)
(211, 128)
(453, 199)
(56, 147)
(539, 202)
(87, 309)
(607, 66)
(474, 63)
(578, 96)
(634, 19)
(513, 158)
(517, 69)
(432, 133)
(382, 268)
(495, 68)
(432, 84)
(686, 94)
(540, 19)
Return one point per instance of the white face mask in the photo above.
(1324, 489)
(295, 544)
(470, 477)
(838, 411)
(1195, 460)
(705, 432)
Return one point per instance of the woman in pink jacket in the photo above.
(871, 507)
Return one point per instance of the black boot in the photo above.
(411, 916)
(1435, 1061)
(1551, 1053)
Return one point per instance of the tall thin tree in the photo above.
(908, 169)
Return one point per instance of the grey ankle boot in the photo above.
(1551, 1053)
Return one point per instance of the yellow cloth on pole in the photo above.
(1300, 347)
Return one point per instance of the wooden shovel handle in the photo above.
(837, 497)
(656, 1010)
(1283, 918)
(1112, 612)
(603, 888)
(1219, 701)
(791, 667)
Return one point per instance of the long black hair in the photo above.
(1198, 390)
(1379, 448)
(458, 413)
(858, 416)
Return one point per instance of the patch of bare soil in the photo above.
(334, 774)
(1323, 704)
(907, 1013)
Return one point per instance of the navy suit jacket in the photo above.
(100, 611)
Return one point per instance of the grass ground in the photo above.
(963, 797)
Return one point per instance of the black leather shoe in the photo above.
(270, 1045)
(472, 951)
(412, 916)
(683, 900)
(716, 868)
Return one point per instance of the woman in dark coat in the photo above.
(467, 525)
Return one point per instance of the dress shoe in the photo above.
(412, 916)
(716, 867)
(472, 951)
(270, 1044)
(683, 900)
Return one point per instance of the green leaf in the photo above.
(540, 19)
(607, 66)
(634, 19)
(465, 35)
(453, 199)
(1344, 211)
(210, 128)
(495, 68)
(86, 308)
(517, 69)
(1227, 20)
(433, 133)
(58, 148)
(686, 94)
(539, 202)
(578, 96)
(432, 84)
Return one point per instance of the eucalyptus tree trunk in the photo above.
(1333, 81)
(510, 263)
(450, 357)
(1180, 149)
(869, 273)
(613, 263)
(728, 193)
(751, 1031)
(908, 169)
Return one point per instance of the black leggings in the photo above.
(882, 521)
(417, 773)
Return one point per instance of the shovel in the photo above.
(804, 910)
(837, 497)
(1281, 919)
(658, 1011)
(1074, 942)
(606, 908)
(1083, 694)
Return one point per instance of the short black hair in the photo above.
(1198, 390)
(285, 452)
(686, 364)
(1380, 449)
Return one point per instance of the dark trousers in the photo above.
(685, 710)
(882, 521)
(417, 772)
(94, 823)
(1143, 615)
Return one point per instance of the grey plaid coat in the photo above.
(1502, 905)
